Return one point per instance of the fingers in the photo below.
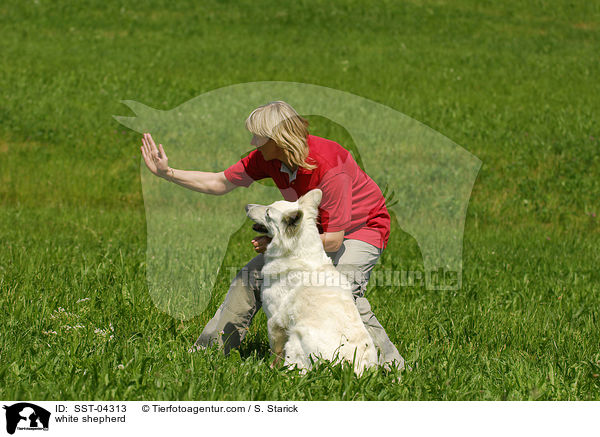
(150, 151)
(162, 151)
(144, 150)
(146, 147)
(151, 142)
(260, 243)
(149, 160)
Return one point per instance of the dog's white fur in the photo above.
(308, 303)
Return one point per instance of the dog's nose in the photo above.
(249, 207)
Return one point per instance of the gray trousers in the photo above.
(230, 323)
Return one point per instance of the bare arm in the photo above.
(332, 241)
(204, 182)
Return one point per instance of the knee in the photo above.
(231, 337)
(364, 307)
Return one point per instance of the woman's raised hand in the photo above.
(260, 243)
(155, 158)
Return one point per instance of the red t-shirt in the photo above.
(352, 201)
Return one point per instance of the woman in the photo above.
(354, 221)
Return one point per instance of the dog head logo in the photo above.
(188, 234)
(26, 416)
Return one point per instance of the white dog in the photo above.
(308, 303)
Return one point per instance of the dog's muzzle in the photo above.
(257, 227)
(260, 228)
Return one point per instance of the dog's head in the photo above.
(285, 221)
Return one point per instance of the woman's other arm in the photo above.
(332, 241)
(204, 182)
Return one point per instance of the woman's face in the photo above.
(267, 147)
(258, 141)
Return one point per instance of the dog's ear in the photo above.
(312, 198)
(292, 219)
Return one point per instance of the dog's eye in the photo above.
(267, 215)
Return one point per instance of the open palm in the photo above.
(155, 158)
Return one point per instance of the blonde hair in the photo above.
(280, 122)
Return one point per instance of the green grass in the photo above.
(514, 84)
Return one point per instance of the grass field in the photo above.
(515, 84)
